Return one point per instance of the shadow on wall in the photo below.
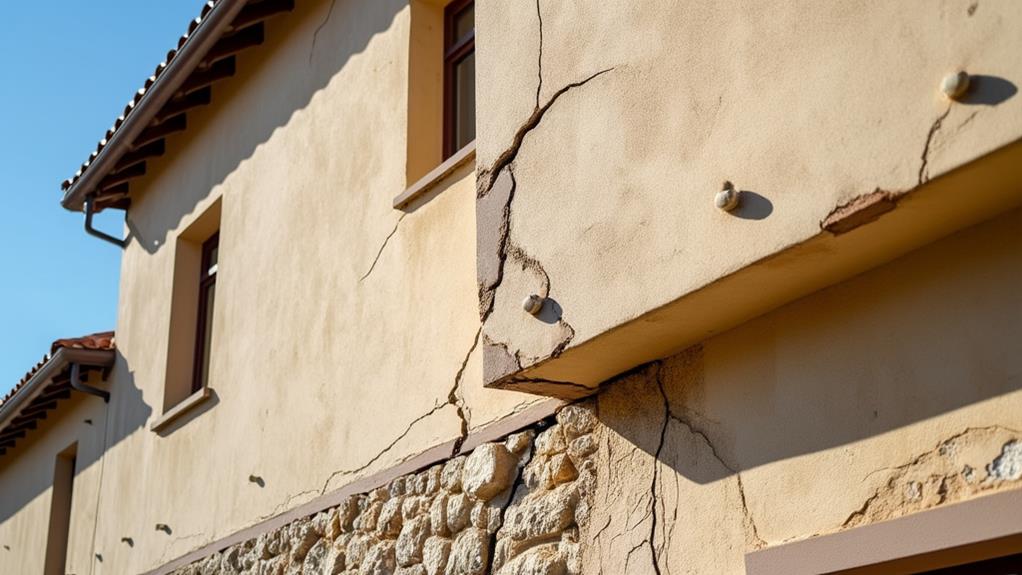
(329, 33)
(97, 427)
(920, 337)
(989, 90)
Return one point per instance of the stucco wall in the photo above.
(26, 475)
(613, 125)
(895, 392)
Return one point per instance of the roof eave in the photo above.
(41, 378)
(178, 69)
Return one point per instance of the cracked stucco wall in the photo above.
(895, 392)
(345, 332)
(606, 128)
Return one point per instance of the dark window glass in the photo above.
(459, 76)
(207, 295)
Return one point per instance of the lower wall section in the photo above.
(513, 507)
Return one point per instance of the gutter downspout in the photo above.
(205, 35)
(96, 233)
(76, 384)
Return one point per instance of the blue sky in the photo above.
(68, 68)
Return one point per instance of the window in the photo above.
(190, 331)
(459, 76)
(60, 511)
(204, 325)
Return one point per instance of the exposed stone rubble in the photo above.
(508, 508)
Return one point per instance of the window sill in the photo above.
(427, 182)
(180, 409)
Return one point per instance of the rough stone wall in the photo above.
(510, 508)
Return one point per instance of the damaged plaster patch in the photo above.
(1008, 465)
(859, 211)
(944, 474)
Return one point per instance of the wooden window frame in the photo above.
(455, 50)
(206, 280)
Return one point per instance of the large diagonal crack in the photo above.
(383, 246)
(924, 176)
(454, 399)
(505, 158)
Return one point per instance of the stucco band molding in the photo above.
(962, 532)
(442, 452)
(427, 182)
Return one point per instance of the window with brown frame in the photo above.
(204, 329)
(459, 76)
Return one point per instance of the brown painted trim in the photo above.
(442, 452)
(180, 409)
(427, 182)
(962, 532)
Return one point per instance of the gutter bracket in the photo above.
(76, 384)
(121, 243)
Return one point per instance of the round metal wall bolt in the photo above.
(955, 85)
(727, 198)
(533, 303)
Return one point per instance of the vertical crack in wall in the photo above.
(670, 414)
(315, 35)
(656, 474)
(539, 84)
(383, 246)
(455, 398)
(924, 175)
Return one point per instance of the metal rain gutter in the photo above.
(206, 34)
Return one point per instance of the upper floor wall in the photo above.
(606, 130)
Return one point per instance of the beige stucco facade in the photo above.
(379, 402)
